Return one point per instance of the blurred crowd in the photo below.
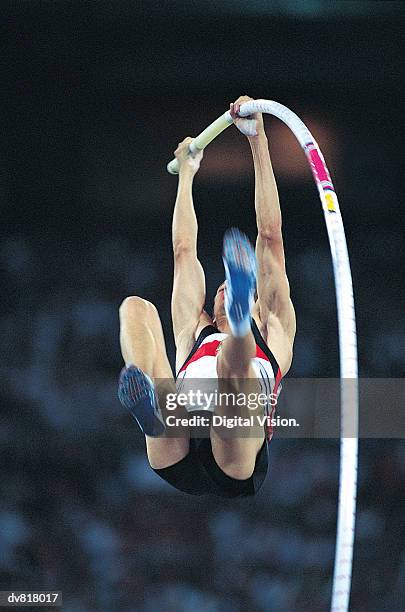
(97, 96)
(82, 512)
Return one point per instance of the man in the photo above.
(245, 340)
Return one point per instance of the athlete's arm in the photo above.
(188, 296)
(272, 283)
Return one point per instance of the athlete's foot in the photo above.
(136, 392)
(240, 271)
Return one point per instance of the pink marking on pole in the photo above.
(318, 168)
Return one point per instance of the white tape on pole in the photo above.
(346, 327)
(204, 139)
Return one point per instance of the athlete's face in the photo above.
(219, 307)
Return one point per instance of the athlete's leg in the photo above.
(236, 455)
(143, 345)
(235, 450)
(234, 358)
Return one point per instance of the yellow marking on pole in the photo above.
(330, 203)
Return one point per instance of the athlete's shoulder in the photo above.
(204, 321)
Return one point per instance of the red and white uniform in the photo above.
(202, 364)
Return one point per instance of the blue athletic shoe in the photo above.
(136, 392)
(240, 272)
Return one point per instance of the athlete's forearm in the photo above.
(184, 227)
(268, 213)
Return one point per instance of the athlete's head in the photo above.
(219, 302)
(219, 306)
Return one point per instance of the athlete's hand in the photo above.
(187, 161)
(251, 126)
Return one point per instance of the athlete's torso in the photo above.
(201, 361)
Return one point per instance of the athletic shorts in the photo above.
(199, 474)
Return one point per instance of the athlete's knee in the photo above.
(238, 458)
(164, 452)
(134, 306)
(239, 471)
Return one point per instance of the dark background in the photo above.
(95, 96)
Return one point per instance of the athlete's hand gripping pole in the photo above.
(202, 140)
